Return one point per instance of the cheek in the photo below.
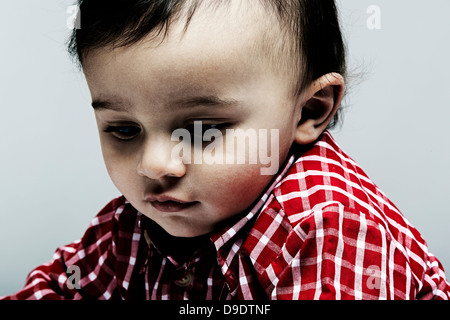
(121, 169)
(234, 188)
(230, 189)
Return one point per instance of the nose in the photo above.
(156, 160)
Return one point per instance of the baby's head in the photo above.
(267, 73)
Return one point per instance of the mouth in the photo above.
(167, 204)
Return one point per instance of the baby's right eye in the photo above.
(124, 133)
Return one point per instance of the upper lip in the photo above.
(164, 198)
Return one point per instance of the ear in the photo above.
(318, 105)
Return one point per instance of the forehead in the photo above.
(226, 39)
(222, 25)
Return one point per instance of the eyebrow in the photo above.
(203, 101)
(114, 105)
(117, 105)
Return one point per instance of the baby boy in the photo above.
(213, 118)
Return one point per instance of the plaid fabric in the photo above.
(322, 230)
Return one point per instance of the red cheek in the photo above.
(238, 188)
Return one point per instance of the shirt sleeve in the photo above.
(337, 253)
(78, 270)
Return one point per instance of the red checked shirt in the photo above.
(322, 230)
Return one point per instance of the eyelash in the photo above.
(117, 132)
(128, 133)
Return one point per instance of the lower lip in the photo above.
(171, 206)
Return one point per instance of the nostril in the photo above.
(157, 169)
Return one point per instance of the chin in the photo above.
(186, 232)
(181, 227)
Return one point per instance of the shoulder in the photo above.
(116, 218)
(323, 175)
(108, 218)
(84, 268)
(320, 189)
(326, 216)
(116, 211)
(113, 208)
(335, 252)
(326, 177)
(101, 254)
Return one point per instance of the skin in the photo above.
(152, 88)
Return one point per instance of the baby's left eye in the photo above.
(123, 133)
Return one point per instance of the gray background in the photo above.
(52, 177)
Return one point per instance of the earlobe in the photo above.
(318, 107)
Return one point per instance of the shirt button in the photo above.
(186, 280)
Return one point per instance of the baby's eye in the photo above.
(124, 133)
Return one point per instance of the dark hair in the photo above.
(312, 26)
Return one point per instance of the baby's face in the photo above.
(210, 73)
